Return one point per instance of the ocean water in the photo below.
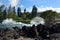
(9, 23)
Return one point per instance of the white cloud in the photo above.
(13, 2)
(41, 9)
(21, 6)
(49, 8)
(29, 9)
(1, 3)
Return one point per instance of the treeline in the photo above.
(10, 12)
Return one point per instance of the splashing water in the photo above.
(37, 20)
(11, 23)
(8, 21)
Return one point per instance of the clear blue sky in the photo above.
(29, 3)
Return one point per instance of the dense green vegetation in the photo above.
(25, 16)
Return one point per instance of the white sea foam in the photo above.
(37, 20)
(11, 23)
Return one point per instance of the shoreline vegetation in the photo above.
(25, 16)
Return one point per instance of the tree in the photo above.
(28, 15)
(11, 13)
(14, 10)
(25, 10)
(19, 12)
(24, 15)
(49, 15)
(5, 13)
(34, 11)
(1, 12)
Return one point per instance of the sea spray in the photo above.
(8, 21)
(11, 23)
(37, 20)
